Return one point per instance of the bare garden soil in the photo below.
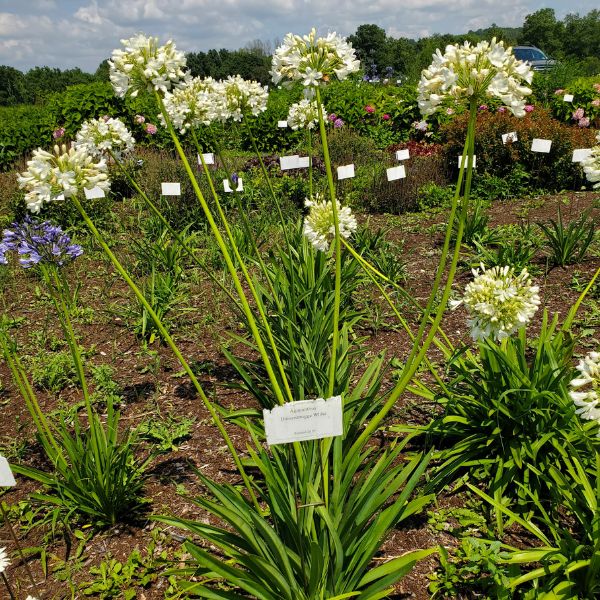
(153, 387)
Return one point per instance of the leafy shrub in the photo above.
(23, 128)
(586, 96)
(432, 195)
(546, 171)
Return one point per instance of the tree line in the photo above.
(575, 38)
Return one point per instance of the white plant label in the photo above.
(345, 172)
(92, 193)
(402, 154)
(509, 137)
(59, 197)
(539, 145)
(568, 97)
(209, 158)
(7, 479)
(227, 186)
(289, 162)
(580, 154)
(394, 173)
(282, 124)
(304, 420)
(170, 189)
(303, 162)
(467, 161)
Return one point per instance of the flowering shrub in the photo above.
(585, 105)
(552, 171)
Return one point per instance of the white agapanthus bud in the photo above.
(585, 389)
(499, 302)
(591, 165)
(61, 175)
(144, 65)
(304, 114)
(99, 136)
(472, 72)
(312, 60)
(319, 226)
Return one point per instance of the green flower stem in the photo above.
(310, 165)
(338, 247)
(573, 312)
(225, 252)
(156, 211)
(402, 320)
(257, 298)
(417, 355)
(171, 343)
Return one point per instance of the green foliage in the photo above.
(53, 371)
(167, 433)
(586, 96)
(475, 569)
(568, 245)
(432, 195)
(501, 409)
(301, 547)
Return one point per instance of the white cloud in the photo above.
(84, 32)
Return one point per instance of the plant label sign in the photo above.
(227, 186)
(303, 162)
(282, 124)
(345, 172)
(509, 137)
(394, 173)
(539, 145)
(568, 97)
(402, 154)
(209, 158)
(304, 420)
(170, 189)
(580, 154)
(460, 161)
(289, 162)
(92, 193)
(7, 479)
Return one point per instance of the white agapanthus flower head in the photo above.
(585, 389)
(100, 136)
(240, 98)
(319, 226)
(472, 72)
(195, 102)
(4, 562)
(61, 175)
(144, 65)
(313, 60)
(304, 114)
(499, 302)
(591, 166)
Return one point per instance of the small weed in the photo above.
(166, 434)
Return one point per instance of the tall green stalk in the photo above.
(171, 343)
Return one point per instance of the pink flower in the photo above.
(332, 117)
(420, 125)
(578, 114)
(483, 107)
(502, 109)
(151, 129)
(596, 102)
(338, 123)
(385, 117)
(597, 87)
(559, 91)
(370, 109)
(584, 122)
(139, 119)
(105, 118)
(58, 133)
(529, 108)
(449, 111)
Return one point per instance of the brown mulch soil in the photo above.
(152, 386)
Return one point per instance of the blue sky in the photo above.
(81, 33)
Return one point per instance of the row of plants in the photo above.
(308, 518)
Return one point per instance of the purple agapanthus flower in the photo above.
(234, 178)
(38, 242)
(338, 123)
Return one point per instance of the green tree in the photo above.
(12, 86)
(541, 29)
(582, 35)
(370, 43)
